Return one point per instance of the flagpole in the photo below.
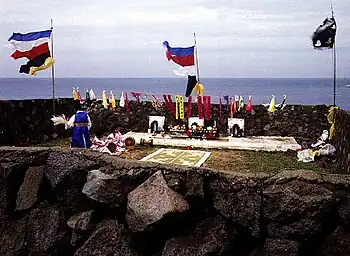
(53, 72)
(334, 66)
(196, 55)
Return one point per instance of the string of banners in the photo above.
(231, 104)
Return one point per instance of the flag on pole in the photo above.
(35, 47)
(181, 56)
(324, 36)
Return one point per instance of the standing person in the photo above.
(81, 124)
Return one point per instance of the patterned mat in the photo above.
(178, 156)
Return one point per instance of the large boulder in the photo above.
(296, 210)
(337, 243)
(238, 199)
(103, 188)
(107, 239)
(66, 173)
(13, 236)
(46, 231)
(151, 202)
(27, 194)
(81, 221)
(211, 237)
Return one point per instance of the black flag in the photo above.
(324, 35)
(191, 83)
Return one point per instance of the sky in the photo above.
(115, 38)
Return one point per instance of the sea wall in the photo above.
(59, 202)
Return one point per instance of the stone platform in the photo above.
(257, 143)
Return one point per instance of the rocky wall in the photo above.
(25, 122)
(305, 123)
(60, 202)
(341, 139)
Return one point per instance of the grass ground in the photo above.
(231, 160)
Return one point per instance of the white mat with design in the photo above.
(178, 156)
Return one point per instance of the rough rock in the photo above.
(194, 184)
(337, 243)
(107, 239)
(211, 237)
(66, 173)
(344, 211)
(295, 210)
(81, 221)
(278, 247)
(102, 188)
(238, 198)
(13, 234)
(27, 194)
(46, 232)
(151, 202)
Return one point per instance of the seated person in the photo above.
(100, 144)
(117, 139)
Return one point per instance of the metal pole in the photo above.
(334, 66)
(195, 46)
(53, 72)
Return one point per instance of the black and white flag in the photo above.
(324, 36)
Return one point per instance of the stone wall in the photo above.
(59, 202)
(305, 123)
(24, 122)
(342, 139)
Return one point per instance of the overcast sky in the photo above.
(122, 38)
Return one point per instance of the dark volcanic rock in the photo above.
(46, 232)
(194, 184)
(81, 221)
(295, 210)
(67, 172)
(102, 188)
(337, 243)
(211, 237)
(277, 247)
(107, 239)
(151, 202)
(27, 194)
(238, 198)
(12, 236)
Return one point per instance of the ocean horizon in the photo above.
(306, 91)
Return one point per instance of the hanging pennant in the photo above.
(151, 101)
(92, 95)
(122, 101)
(200, 107)
(156, 101)
(207, 107)
(112, 100)
(127, 103)
(169, 103)
(179, 103)
(136, 95)
(235, 105)
(249, 107)
(87, 96)
(231, 107)
(78, 95)
(240, 104)
(272, 107)
(74, 92)
(104, 100)
(220, 107)
(189, 106)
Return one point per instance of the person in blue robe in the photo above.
(80, 123)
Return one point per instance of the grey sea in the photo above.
(299, 91)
